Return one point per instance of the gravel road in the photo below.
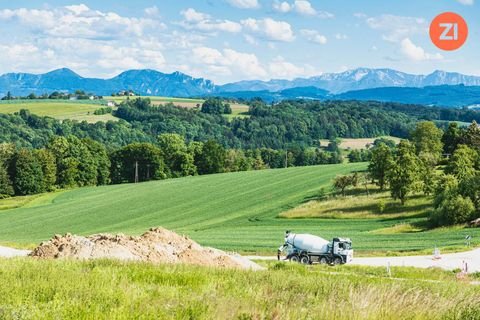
(10, 252)
(447, 261)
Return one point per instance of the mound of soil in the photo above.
(157, 245)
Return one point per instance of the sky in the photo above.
(231, 40)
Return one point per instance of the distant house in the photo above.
(91, 97)
(73, 98)
(110, 104)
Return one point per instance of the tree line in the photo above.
(279, 127)
(443, 164)
(67, 162)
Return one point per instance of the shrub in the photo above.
(454, 210)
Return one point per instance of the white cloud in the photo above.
(91, 42)
(229, 62)
(341, 36)
(244, 4)
(204, 22)
(305, 7)
(80, 21)
(86, 56)
(396, 28)
(417, 53)
(191, 15)
(313, 36)
(152, 11)
(283, 7)
(302, 7)
(78, 9)
(360, 15)
(280, 68)
(466, 2)
(270, 29)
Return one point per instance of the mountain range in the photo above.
(144, 82)
(358, 79)
(437, 88)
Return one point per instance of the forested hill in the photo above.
(299, 123)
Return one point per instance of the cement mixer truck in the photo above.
(308, 249)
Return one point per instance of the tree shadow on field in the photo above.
(389, 209)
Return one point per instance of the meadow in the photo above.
(83, 110)
(59, 109)
(39, 289)
(235, 211)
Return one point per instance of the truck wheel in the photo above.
(294, 258)
(337, 261)
(304, 260)
(323, 260)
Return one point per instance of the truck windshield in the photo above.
(347, 246)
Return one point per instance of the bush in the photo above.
(103, 111)
(455, 210)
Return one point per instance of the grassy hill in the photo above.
(82, 110)
(236, 211)
(59, 109)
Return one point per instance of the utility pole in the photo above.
(136, 171)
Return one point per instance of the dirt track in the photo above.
(10, 252)
(447, 261)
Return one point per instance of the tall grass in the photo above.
(113, 290)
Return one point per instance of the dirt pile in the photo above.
(157, 245)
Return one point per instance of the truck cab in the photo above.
(343, 247)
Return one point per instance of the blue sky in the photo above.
(231, 40)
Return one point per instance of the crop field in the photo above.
(39, 289)
(59, 109)
(235, 211)
(357, 144)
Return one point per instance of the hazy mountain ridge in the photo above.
(144, 82)
(359, 79)
(438, 88)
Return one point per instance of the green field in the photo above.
(59, 109)
(235, 211)
(82, 110)
(36, 289)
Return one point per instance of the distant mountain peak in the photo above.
(143, 82)
(359, 79)
(63, 72)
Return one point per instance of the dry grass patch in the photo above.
(399, 228)
(373, 206)
(357, 144)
